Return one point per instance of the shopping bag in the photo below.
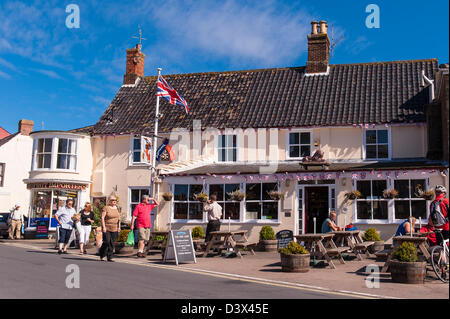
(130, 239)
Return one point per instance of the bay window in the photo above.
(56, 153)
(44, 153)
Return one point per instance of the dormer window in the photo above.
(227, 148)
(299, 145)
(377, 144)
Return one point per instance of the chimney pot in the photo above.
(25, 127)
(314, 25)
(323, 27)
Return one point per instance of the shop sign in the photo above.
(57, 186)
(42, 229)
(180, 247)
(284, 237)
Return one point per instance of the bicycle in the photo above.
(440, 259)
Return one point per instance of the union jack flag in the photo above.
(169, 93)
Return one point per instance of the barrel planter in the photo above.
(408, 272)
(122, 249)
(376, 247)
(269, 245)
(295, 262)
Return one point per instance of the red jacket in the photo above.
(444, 205)
(431, 237)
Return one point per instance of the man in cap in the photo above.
(16, 222)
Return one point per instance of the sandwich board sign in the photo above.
(180, 247)
(284, 237)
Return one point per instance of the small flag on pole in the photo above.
(169, 93)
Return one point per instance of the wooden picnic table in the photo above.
(221, 240)
(353, 241)
(152, 242)
(325, 244)
(419, 241)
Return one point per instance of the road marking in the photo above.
(210, 273)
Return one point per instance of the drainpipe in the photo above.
(429, 82)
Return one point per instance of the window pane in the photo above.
(383, 151)
(234, 155)
(195, 211)
(40, 145)
(40, 160)
(253, 192)
(62, 162)
(371, 137)
(216, 189)
(382, 136)
(402, 209)
(294, 151)
(222, 153)
(232, 210)
(253, 211)
(268, 187)
(181, 192)
(380, 210)
(221, 140)
(363, 210)
(419, 209)
(48, 145)
(144, 192)
(364, 188)
(137, 144)
(230, 156)
(71, 147)
(234, 141)
(194, 190)
(47, 160)
(377, 189)
(135, 197)
(270, 210)
(294, 138)
(136, 157)
(180, 210)
(417, 184)
(305, 151)
(371, 151)
(229, 188)
(305, 138)
(403, 188)
(62, 145)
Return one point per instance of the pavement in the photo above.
(347, 279)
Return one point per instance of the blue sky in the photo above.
(65, 78)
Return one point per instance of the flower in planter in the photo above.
(390, 193)
(353, 195)
(407, 252)
(167, 196)
(293, 249)
(202, 197)
(237, 195)
(419, 192)
(275, 195)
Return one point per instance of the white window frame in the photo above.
(389, 204)
(173, 201)
(130, 189)
(299, 131)
(141, 162)
(389, 144)
(70, 155)
(245, 201)
(54, 153)
(217, 148)
(241, 218)
(427, 202)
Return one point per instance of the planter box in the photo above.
(408, 272)
(295, 263)
(269, 245)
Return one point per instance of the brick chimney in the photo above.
(135, 65)
(25, 127)
(318, 48)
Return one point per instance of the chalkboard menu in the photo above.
(284, 237)
(180, 247)
(41, 229)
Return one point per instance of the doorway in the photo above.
(316, 205)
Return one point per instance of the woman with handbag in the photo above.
(85, 226)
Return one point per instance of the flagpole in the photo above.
(153, 173)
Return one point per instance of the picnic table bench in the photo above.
(354, 242)
(221, 240)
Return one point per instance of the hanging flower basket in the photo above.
(237, 195)
(201, 197)
(353, 195)
(390, 193)
(274, 195)
(427, 195)
(167, 196)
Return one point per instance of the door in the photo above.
(316, 206)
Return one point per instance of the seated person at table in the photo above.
(405, 227)
(431, 237)
(329, 224)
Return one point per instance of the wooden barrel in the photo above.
(295, 263)
(408, 272)
(270, 245)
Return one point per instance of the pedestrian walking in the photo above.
(142, 215)
(16, 222)
(86, 220)
(64, 217)
(214, 211)
(110, 228)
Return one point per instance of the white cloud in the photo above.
(49, 73)
(4, 75)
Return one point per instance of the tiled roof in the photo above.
(366, 93)
(86, 129)
(5, 140)
(3, 133)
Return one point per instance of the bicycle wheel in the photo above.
(440, 263)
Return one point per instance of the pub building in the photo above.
(61, 166)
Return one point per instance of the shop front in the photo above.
(47, 198)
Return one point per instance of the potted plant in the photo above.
(404, 266)
(390, 193)
(237, 195)
(294, 258)
(120, 246)
(267, 238)
(197, 233)
(275, 195)
(371, 234)
(201, 197)
(167, 196)
(353, 195)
